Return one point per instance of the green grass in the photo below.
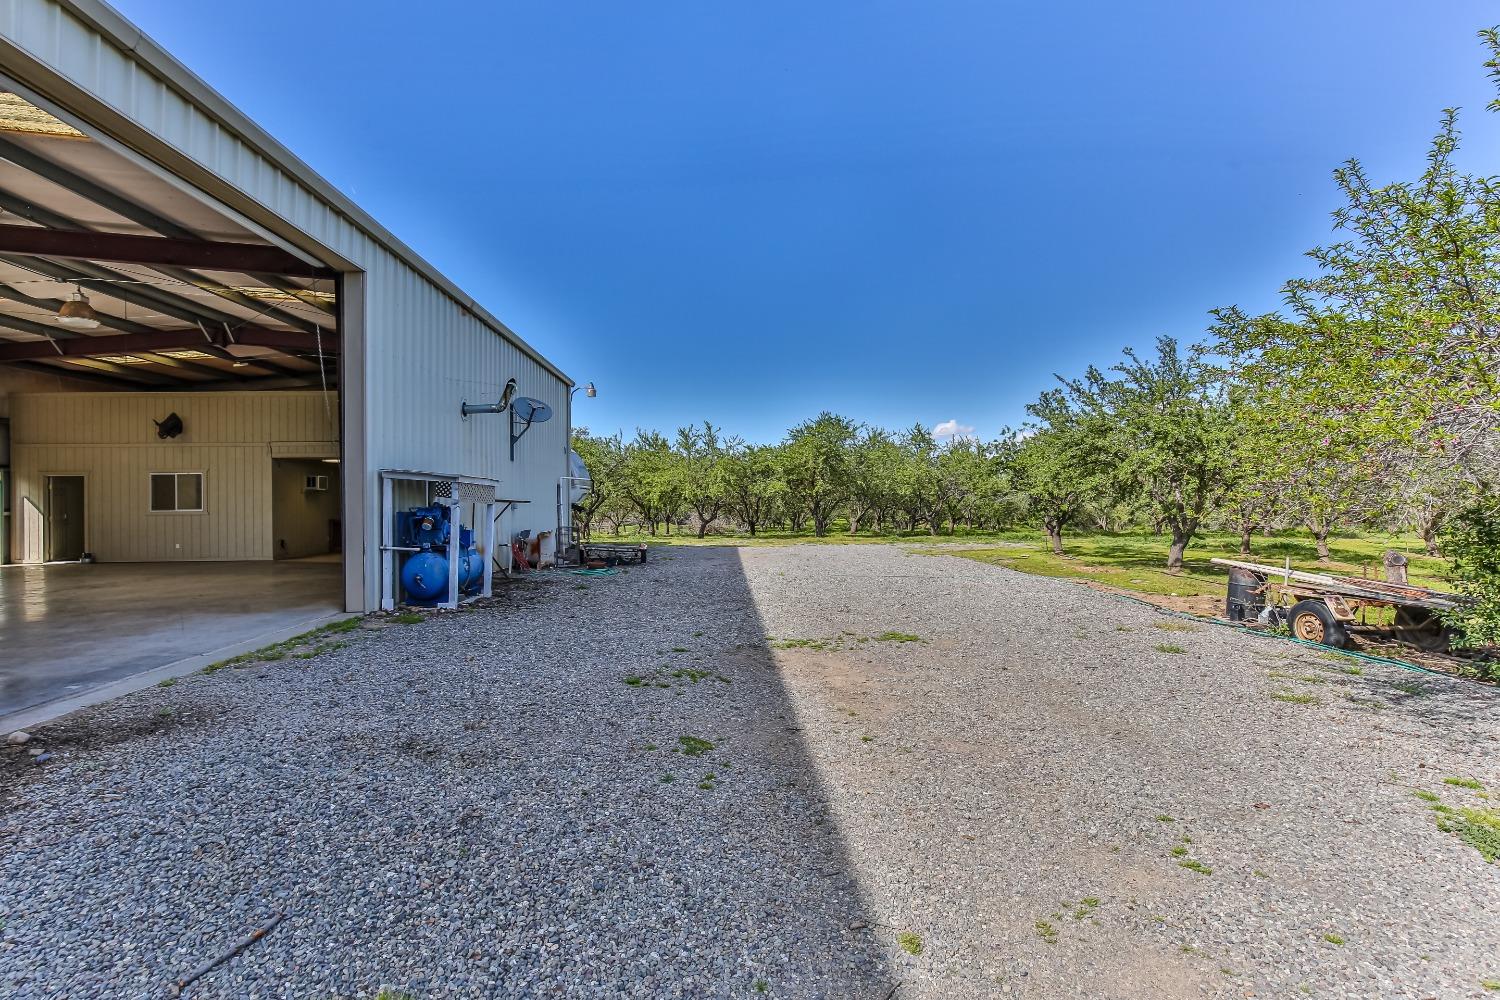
(693, 746)
(1477, 827)
(1164, 818)
(1136, 562)
(167, 683)
(1196, 866)
(1425, 795)
(819, 644)
(1477, 786)
(1046, 931)
(280, 650)
(1167, 647)
(1334, 939)
(897, 637)
(761, 986)
(1292, 698)
(1132, 560)
(910, 943)
(408, 618)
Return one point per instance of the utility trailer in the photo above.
(610, 553)
(1322, 608)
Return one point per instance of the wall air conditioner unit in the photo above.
(315, 484)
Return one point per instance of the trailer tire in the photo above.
(1423, 629)
(1313, 621)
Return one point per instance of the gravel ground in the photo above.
(512, 801)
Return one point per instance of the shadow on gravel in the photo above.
(590, 788)
(658, 789)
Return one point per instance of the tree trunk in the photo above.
(1180, 539)
(1054, 535)
(1320, 539)
(1245, 533)
(854, 524)
(1429, 539)
(702, 527)
(751, 525)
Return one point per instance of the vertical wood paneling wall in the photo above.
(110, 440)
(424, 345)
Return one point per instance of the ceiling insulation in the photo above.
(19, 115)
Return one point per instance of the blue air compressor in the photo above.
(424, 573)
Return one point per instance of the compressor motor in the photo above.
(424, 574)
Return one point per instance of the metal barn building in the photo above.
(219, 377)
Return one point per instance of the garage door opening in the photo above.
(170, 432)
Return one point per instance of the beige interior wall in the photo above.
(14, 381)
(299, 517)
(110, 439)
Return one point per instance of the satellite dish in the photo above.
(530, 411)
(525, 411)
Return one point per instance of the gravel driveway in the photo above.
(843, 771)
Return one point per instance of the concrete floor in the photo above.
(68, 628)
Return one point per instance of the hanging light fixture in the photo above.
(77, 313)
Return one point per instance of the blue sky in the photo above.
(898, 211)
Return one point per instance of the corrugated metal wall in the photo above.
(425, 347)
(110, 440)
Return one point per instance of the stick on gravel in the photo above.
(182, 984)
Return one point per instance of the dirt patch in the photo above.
(1206, 605)
(84, 733)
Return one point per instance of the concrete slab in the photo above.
(68, 630)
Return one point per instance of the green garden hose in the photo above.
(1289, 638)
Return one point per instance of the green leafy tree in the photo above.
(700, 470)
(604, 458)
(875, 461)
(1060, 463)
(816, 467)
(1473, 544)
(1171, 429)
(1395, 341)
(650, 481)
(753, 483)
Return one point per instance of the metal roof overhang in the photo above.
(249, 221)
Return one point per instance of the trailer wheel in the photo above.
(1312, 621)
(1421, 628)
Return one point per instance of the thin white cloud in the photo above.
(952, 428)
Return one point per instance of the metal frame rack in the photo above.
(449, 491)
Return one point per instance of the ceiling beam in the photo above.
(39, 329)
(52, 305)
(70, 344)
(183, 364)
(52, 220)
(286, 382)
(289, 264)
(90, 377)
(240, 258)
(125, 371)
(123, 287)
